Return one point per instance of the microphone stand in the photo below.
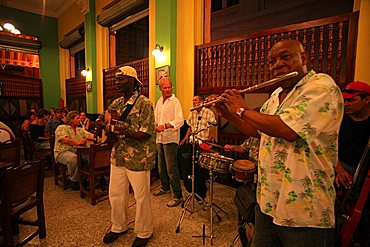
(191, 197)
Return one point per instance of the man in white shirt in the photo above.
(168, 120)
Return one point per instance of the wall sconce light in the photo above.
(158, 53)
(157, 50)
(84, 72)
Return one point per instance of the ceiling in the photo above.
(52, 8)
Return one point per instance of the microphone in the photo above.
(213, 123)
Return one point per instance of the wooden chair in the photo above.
(22, 190)
(98, 166)
(10, 151)
(60, 170)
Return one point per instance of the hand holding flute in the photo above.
(213, 99)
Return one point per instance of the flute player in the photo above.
(298, 128)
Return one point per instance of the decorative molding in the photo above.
(83, 4)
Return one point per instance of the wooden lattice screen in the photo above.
(109, 88)
(241, 62)
(76, 93)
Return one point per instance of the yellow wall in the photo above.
(67, 22)
(102, 54)
(363, 41)
(189, 34)
(152, 38)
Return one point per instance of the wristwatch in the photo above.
(240, 111)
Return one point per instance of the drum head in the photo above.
(244, 165)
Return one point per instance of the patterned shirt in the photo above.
(295, 179)
(67, 131)
(135, 155)
(251, 145)
(169, 112)
(206, 117)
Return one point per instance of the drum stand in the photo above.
(213, 206)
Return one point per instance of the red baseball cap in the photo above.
(355, 88)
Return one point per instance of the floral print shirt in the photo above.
(135, 155)
(67, 131)
(295, 179)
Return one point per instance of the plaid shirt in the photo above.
(207, 116)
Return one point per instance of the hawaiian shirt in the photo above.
(295, 179)
(200, 121)
(67, 131)
(135, 155)
(251, 145)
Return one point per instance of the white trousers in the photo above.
(120, 179)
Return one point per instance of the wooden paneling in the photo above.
(241, 61)
(76, 93)
(109, 88)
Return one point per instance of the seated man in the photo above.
(6, 133)
(199, 122)
(67, 138)
(54, 122)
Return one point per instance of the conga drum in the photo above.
(244, 171)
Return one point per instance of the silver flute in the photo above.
(250, 89)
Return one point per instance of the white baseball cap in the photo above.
(128, 71)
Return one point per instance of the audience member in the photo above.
(168, 120)
(37, 130)
(6, 133)
(67, 137)
(30, 117)
(133, 155)
(54, 122)
(85, 122)
(298, 126)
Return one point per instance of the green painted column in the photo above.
(166, 26)
(90, 53)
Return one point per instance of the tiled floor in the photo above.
(72, 221)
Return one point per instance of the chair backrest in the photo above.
(100, 155)
(10, 151)
(22, 181)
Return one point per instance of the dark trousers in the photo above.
(200, 176)
(269, 234)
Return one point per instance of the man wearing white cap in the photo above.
(133, 156)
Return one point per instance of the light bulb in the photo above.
(8, 26)
(84, 72)
(15, 31)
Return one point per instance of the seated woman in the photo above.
(67, 138)
(37, 130)
(30, 117)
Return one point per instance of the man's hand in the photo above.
(159, 128)
(228, 148)
(185, 140)
(233, 99)
(342, 177)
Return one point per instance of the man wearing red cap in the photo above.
(353, 137)
(354, 131)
